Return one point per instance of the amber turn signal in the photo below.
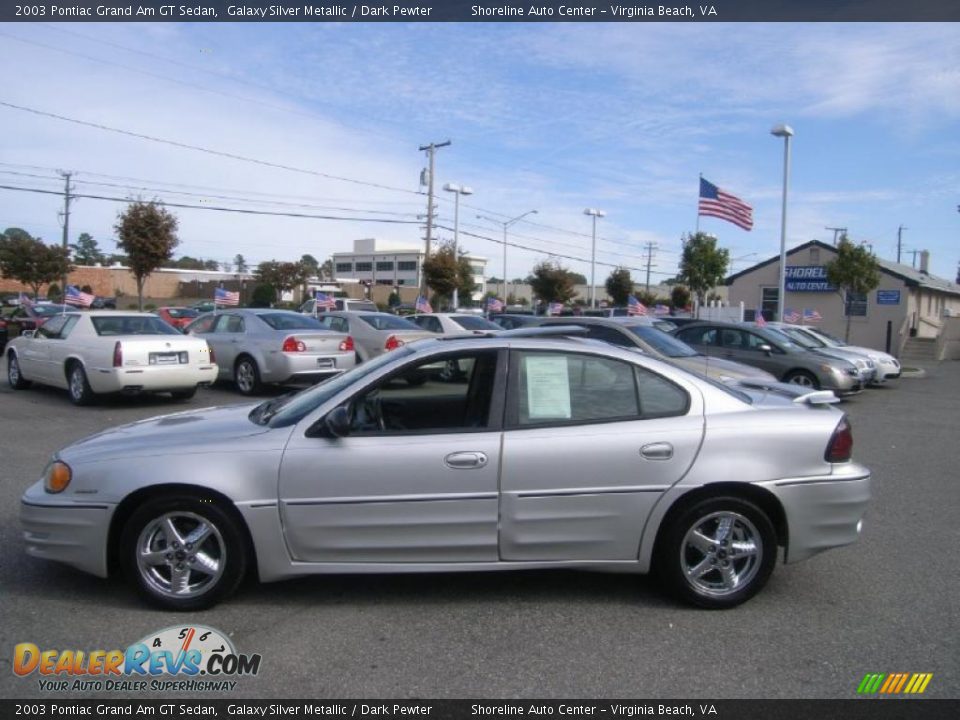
(57, 477)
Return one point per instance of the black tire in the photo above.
(16, 380)
(246, 376)
(78, 388)
(183, 394)
(802, 377)
(717, 587)
(224, 547)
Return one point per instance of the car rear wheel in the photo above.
(802, 377)
(246, 375)
(77, 385)
(718, 553)
(16, 380)
(183, 553)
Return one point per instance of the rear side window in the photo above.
(659, 397)
(388, 322)
(699, 336)
(291, 321)
(473, 322)
(203, 325)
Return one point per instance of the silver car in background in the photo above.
(257, 346)
(457, 323)
(548, 453)
(888, 367)
(866, 367)
(374, 333)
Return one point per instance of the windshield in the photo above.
(801, 338)
(287, 410)
(661, 342)
(827, 338)
(291, 321)
(472, 322)
(132, 325)
(783, 339)
(388, 322)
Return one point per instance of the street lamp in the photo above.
(786, 132)
(457, 190)
(594, 213)
(506, 224)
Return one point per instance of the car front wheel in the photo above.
(803, 378)
(183, 553)
(718, 553)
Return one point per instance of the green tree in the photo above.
(647, 298)
(310, 264)
(282, 276)
(186, 262)
(147, 234)
(86, 251)
(703, 265)
(679, 296)
(240, 263)
(578, 279)
(853, 271)
(54, 293)
(394, 299)
(619, 286)
(211, 265)
(326, 270)
(444, 273)
(552, 282)
(263, 296)
(30, 260)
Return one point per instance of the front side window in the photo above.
(203, 325)
(428, 322)
(699, 336)
(439, 395)
(229, 324)
(388, 322)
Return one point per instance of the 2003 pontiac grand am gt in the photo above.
(545, 451)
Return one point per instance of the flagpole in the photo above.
(698, 203)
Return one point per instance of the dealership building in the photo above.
(911, 312)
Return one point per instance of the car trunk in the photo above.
(161, 350)
(317, 343)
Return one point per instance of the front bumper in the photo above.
(62, 529)
(823, 512)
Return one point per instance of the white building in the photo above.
(397, 265)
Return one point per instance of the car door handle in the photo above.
(465, 460)
(657, 451)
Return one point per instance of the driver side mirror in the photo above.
(27, 333)
(765, 348)
(337, 422)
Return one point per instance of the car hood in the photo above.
(720, 369)
(207, 430)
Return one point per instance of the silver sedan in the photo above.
(257, 346)
(374, 333)
(548, 453)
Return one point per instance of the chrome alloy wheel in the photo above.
(76, 383)
(801, 379)
(721, 554)
(181, 554)
(13, 370)
(246, 379)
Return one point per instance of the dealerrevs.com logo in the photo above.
(894, 683)
(185, 659)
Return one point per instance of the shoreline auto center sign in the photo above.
(808, 278)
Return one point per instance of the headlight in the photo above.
(56, 477)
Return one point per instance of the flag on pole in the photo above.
(24, 300)
(74, 296)
(494, 305)
(791, 316)
(635, 307)
(423, 305)
(714, 202)
(811, 315)
(554, 308)
(325, 301)
(659, 309)
(759, 319)
(225, 297)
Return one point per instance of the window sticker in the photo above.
(548, 387)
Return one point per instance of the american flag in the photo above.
(759, 319)
(25, 300)
(423, 305)
(635, 307)
(791, 316)
(325, 301)
(811, 315)
(74, 296)
(225, 297)
(717, 203)
(554, 308)
(494, 305)
(659, 309)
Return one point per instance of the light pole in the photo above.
(594, 213)
(506, 224)
(457, 190)
(786, 132)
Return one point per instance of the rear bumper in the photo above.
(823, 512)
(155, 378)
(64, 531)
(306, 367)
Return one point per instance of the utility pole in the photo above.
(66, 224)
(899, 241)
(431, 150)
(650, 246)
(836, 233)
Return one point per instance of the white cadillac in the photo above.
(107, 351)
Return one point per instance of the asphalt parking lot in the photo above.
(887, 604)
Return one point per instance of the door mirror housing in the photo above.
(27, 334)
(337, 422)
(765, 348)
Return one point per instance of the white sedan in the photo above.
(453, 323)
(107, 351)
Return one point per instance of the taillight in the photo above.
(213, 357)
(393, 342)
(291, 344)
(346, 345)
(117, 355)
(840, 447)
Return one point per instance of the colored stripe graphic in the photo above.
(894, 683)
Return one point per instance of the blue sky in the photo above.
(556, 117)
